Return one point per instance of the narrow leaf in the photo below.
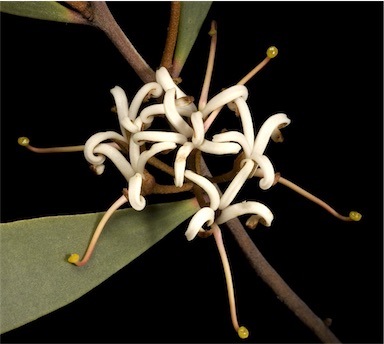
(45, 10)
(192, 16)
(36, 278)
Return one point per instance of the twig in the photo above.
(285, 294)
(103, 19)
(170, 42)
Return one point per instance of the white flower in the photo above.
(126, 114)
(95, 153)
(193, 132)
(207, 215)
(132, 166)
(236, 184)
(269, 129)
(155, 149)
(134, 192)
(165, 80)
(207, 186)
(225, 97)
(246, 207)
(173, 116)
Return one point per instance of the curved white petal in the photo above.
(181, 161)
(156, 91)
(247, 207)
(278, 120)
(127, 124)
(219, 148)
(117, 159)
(147, 114)
(122, 110)
(96, 139)
(173, 116)
(134, 192)
(139, 124)
(225, 97)
(207, 186)
(121, 102)
(268, 171)
(166, 82)
(204, 215)
(159, 136)
(234, 136)
(134, 153)
(155, 149)
(246, 120)
(236, 184)
(198, 128)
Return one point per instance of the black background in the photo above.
(327, 78)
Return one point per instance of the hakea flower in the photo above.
(255, 150)
(225, 143)
(193, 131)
(95, 151)
(207, 216)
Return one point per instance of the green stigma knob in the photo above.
(23, 141)
(272, 52)
(243, 332)
(355, 216)
(73, 258)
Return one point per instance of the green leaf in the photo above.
(45, 10)
(192, 16)
(36, 278)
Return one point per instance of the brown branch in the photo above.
(173, 28)
(285, 294)
(172, 189)
(162, 166)
(103, 19)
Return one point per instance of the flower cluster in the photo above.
(185, 137)
(187, 133)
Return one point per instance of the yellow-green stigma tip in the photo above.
(355, 216)
(272, 52)
(212, 32)
(73, 258)
(23, 141)
(243, 332)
